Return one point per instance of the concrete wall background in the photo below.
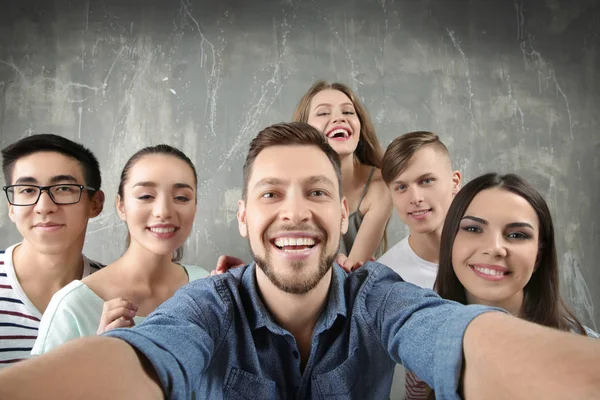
(511, 86)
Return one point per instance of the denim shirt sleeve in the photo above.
(420, 330)
(180, 337)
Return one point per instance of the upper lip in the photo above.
(296, 234)
(423, 209)
(339, 127)
(162, 226)
(494, 267)
(46, 224)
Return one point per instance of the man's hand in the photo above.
(225, 263)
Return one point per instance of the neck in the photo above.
(297, 313)
(55, 270)
(142, 266)
(426, 245)
(514, 304)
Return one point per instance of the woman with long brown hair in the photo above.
(335, 110)
(497, 249)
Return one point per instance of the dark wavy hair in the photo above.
(542, 302)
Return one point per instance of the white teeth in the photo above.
(335, 132)
(162, 230)
(487, 271)
(419, 212)
(287, 241)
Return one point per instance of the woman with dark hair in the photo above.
(157, 200)
(497, 249)
(335, 110)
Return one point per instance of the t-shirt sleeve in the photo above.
(180, 337)
(421, 330)
(68, 316)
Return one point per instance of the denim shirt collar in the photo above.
(259, 317)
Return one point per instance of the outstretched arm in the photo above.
(90, 368)
(508, 358)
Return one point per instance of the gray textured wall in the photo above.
(509, 85)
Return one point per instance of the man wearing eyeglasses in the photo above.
(53, 189)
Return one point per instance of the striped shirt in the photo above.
(19, 318)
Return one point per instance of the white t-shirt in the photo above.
(19, 318)
(412, 268)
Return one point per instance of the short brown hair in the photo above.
(369, 151)
(290, 134)
(401, 150)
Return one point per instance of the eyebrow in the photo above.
(268, 182)
(511, 225)
(329, 105)
(54, 179)
(154, 184)
(311, 180)
(316, 179)
(419, 178)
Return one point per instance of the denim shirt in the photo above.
(215, 339)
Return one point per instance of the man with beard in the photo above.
(299, 327)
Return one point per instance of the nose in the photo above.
(493, 245)
(295, 209)
(338, 116)
(45, 205)
(416, 196)
(163, 207)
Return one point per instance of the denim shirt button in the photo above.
(295, 354)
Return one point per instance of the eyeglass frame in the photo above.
(47, 189)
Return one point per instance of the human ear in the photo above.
(241, 217)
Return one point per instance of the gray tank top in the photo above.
(354, 221)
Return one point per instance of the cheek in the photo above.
(317, 123)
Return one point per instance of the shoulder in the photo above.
(216, 292)
(398, 251)
(72, 295)
(378, 193)
(91, 266)
(195, 272)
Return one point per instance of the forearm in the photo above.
(90, 368)
(508, 358)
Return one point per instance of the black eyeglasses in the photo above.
(28, 195)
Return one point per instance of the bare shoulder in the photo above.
(101, 282)
(378, 195)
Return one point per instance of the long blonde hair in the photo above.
(369, 151)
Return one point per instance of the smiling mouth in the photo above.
(294, 245)
(163, 230)
(420, 212)
(338, 134)
(489, 271)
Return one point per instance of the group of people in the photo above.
(312, 315)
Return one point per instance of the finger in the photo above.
(116, 313)
(347, 266)
(120, 323)
(341, 259)
(357, 265)
(117, 303)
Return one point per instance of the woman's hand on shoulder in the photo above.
(117, 313)
(225, 263)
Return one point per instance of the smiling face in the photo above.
(159, 204)
(50, 228)
(423, 191)
(333, 113)
(495, 250)
(293, 216)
